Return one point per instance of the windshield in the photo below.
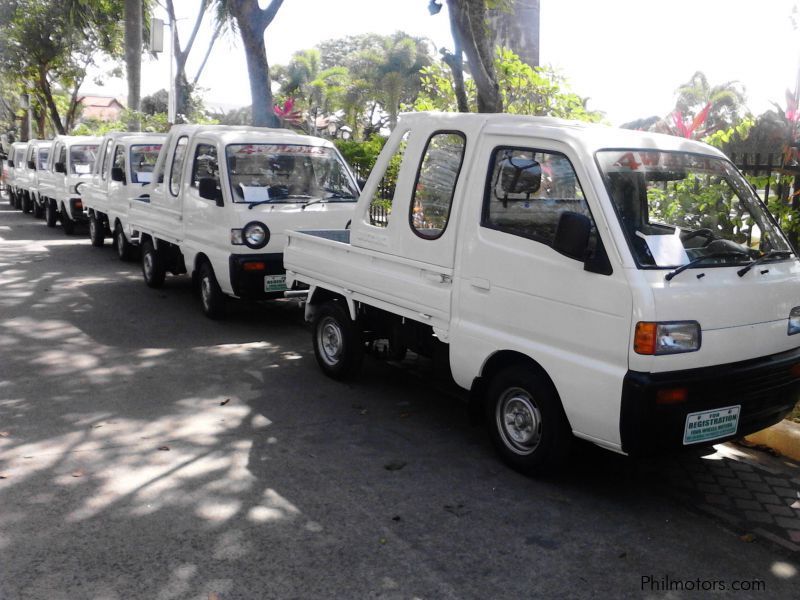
(81, 158)
(676, 207)
(42, 156)
(288, 173)
(143, 161)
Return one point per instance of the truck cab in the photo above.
(16, 171)
(69, 167)
(38, 153)
(221, 199)
(124, 166)
(623, 287)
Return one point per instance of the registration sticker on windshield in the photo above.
(274, 283)
(711, 424)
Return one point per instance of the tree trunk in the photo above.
(518, 29)
(467, 20)
(44, 86)
(133, 58)
(253, 22)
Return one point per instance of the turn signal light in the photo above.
(254, 266)
(644, 342)
(672, 395)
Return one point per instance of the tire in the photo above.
(26, 203)
(97, 231)
(526, 421)
(18, 201)
(125, 250)
(38, 213)
(50, 213)
(66, 223)
(337, 341)
(152, 268)
(12, 202)
(212, 299)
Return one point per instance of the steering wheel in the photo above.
(705, 232)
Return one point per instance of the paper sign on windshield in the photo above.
(144, 176)
(255, 193)
(667, 250)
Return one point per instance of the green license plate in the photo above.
(274, 283)
(711, 424)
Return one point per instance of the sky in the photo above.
(627, 56)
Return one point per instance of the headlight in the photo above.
(794, 321)
(255, 235)
(667, 338)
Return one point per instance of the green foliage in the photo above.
(361, 155)
(155, 123)
(736, 132)
(525, 90)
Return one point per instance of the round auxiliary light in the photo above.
(255, 235)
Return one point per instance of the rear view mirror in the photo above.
(117, 174)
(31, 165)
(207, 186)
(520, 176)
(572, 235)
(60, 167)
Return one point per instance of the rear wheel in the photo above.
(211, 296)
(337, 341)
(12, 202)
(526, 421)
(50, 213)
(67, 223)
(152, 266)
(123, 247)
(96, 231)
(26, 203)
(37, 209)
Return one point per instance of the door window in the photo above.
(206, 164)
(176, 170)
(436, 184)
(527, 192)
(119, 158)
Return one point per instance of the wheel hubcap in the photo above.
(330, 341)
(519, 421)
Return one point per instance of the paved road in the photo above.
(148, 452)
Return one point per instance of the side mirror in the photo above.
(60, 167)
(361, 183)
(31, 165)
(117, 174)
(572, 235)
(520, 176)
(207, 186)
(10, 164)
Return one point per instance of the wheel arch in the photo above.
(319, 295)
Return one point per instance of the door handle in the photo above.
(481, 284)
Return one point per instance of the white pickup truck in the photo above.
(623, 287)
(221, 200)
(37, 155)
(125, 163)
(69, 167)
(16, 173)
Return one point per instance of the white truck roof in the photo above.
(588, 136)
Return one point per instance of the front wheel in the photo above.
(37, 210)
(152, 268)
(337, 341)
(97, 233)
(211, 296)
(123, 247)
(526, 421)
(50, 213)
(26, 203)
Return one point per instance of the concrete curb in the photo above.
(784, 437)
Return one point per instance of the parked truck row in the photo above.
(622, 287)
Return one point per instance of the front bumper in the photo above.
(766, 388)
(249, 284)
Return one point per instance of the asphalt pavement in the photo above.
(148, 452)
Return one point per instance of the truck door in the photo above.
(516, 291)
(206, 226)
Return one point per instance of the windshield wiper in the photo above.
(317, 201)
(701, 259)
(773, 254)
(260, 202)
